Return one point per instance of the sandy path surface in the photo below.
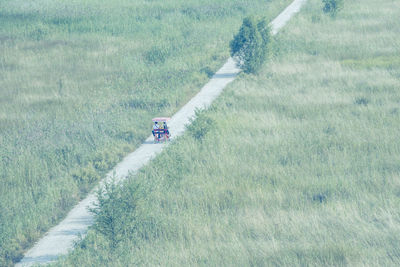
(60, 239)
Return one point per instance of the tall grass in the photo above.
(300, 166)
(79, 82)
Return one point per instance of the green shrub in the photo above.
(115, 211)
(208, 71)
(200, 125)
(251, 45)
(332, 6)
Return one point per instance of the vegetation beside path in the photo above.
(79, 82)
(298, 166)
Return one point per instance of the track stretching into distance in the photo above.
(60, 239)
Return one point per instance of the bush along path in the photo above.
(61, 238)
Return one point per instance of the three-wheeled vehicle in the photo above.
(160, 129)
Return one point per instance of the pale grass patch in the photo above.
(291, 69)
(37, 98)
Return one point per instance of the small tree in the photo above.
(115, 211)
(251, 45)
(332, 6)
(200, 125)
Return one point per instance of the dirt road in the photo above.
(60, 239)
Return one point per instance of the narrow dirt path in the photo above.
(60, 239)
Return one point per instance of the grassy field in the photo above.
(300, 165)
(79, 82)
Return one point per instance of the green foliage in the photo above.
(251, 46)
(208, 71)
(200, 125)
(11, 253)
(332, 6)
(115, 211)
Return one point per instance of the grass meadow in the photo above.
(79, 82)
(297, 166)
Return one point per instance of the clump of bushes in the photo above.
(332, 7)
(251, 46)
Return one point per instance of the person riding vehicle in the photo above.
(166, 128)
(160, 129)
(155, 127)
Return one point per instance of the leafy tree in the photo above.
(332, 6)
(251, 45)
